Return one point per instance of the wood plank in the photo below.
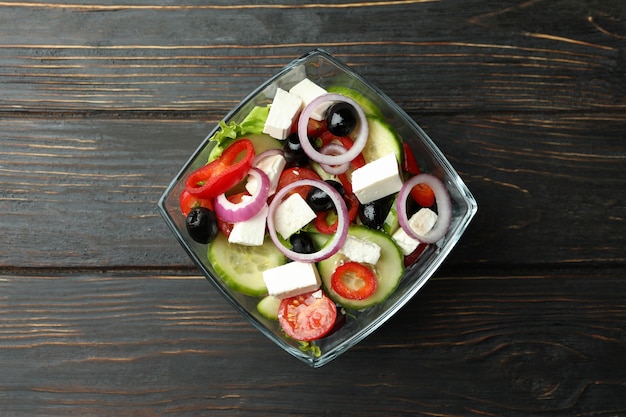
(509, 56)
(110, 344)
(82, 193)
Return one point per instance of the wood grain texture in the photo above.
(112, 344)
(103, 314)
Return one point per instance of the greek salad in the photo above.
(315, 205)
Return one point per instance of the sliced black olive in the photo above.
(341, 119)
(202, 225)
(294, 154)
(319, 201)
(373, 214)
(302, 243)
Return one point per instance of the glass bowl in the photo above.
(325, 70)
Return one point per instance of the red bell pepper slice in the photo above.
(223, 173)
(354, 281)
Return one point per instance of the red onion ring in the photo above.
(248, 208)
(359, 141)
(338, 239)
(265, 154)
(334, 149)
(444, 208)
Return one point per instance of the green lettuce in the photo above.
(252, 124)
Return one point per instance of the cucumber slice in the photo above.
(241, 267)
(389, 269)
(366, 104)
(382, 141)
(268, 307)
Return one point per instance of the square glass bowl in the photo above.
(323, 69)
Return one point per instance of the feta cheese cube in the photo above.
(273, 166)
(405, 242)
(291, 279)
(308, 91)
(377, 179)
(292, 214)
(252, 231)
(421, 222)
(283, 111)
(360, 250)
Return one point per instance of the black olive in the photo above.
(294, 154)
(319, 201)
(202, 225)
(302, 243)
(341, 119)
(373, 214)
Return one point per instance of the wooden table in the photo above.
(103, 314)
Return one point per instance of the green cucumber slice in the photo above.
(241, 267)
(369, 108)
(382, 141)
(268, 307)
(388, 269)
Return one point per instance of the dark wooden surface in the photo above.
(103, 314)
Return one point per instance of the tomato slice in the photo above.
(423, 195)
(410, 163)
(292, 174)
(308, 316)
(321, 221)
(354, 281)
(316, 128)
(347, 143)
(223, 173)
(188, 202)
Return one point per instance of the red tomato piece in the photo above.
(188, 202)
(223, 173)
(292, 174)
(354, 281)
(410, 163)
(316, 128)
(347, 143)
(321, 221)
(308, 316)
(423, 195)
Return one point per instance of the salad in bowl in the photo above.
(318, 208)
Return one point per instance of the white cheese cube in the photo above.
(377, 179)
(421, 223)
(292, 214)
(405, 242)
(308, 91)
(291, 279)
(283, 111)
(252, 231)
(360, 250)
(272, 166)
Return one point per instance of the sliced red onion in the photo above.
(334, 149)
(233, 213)
(444, 208)
(359, 141)
(338, 239)
(265, 154)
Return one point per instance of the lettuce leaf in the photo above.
(253, 123)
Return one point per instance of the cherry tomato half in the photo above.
(423, 195)
(353, 281)
(307, 316)
(292, 174)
